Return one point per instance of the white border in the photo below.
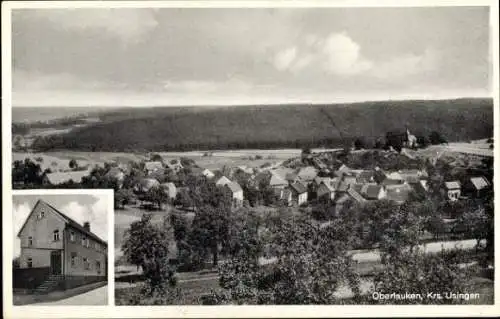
(222, 311)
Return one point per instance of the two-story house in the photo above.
(58, 248)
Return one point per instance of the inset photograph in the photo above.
(60, 247)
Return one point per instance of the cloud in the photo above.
(95, 214)
(338, 54)
(129, 25)
(335, 54)
(20, 213)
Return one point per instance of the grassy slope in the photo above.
(277, 126)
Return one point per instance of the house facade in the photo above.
(56, 246)
(453, 190)
(299, 193)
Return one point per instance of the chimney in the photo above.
(86, 226)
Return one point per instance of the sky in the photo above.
(81, 208)
(226, 56)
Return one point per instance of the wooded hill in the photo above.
(274, 126)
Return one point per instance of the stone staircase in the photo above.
(50, 284)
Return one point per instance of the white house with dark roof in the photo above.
(478, 185)
(153, 167)
(235, 191)
(223, 181)
(453, 190)
(326, 189)
(299, 193)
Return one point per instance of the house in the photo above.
(370, 191)
(453, 190)
(477, 186)
(154, 167)
(307, 174)
(326, 190)
(396, 176)
(174, 165)
(170, 190)
(223, 181)
(235, 191)
(277, 181)
(354, 194)
(366, 177)
(299, 193)
(420, 187)
(291, 178)
(116, 174)
(398, 193)
(349, 180)
(64, 177)
(144, 185)
(56, 251)
(342, 170)
(208, 173)
(388, 182)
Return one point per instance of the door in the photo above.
(55, 263)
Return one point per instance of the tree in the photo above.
(156, 195)
(27, 173)
(419, 273)
(378, 144)
(311, 264)
(422, 141)
(123, 197)
(359, 143)
(146, 246)
(73, 164)
(436, 138)
(477, 223)
(156, 157)
(209, 230)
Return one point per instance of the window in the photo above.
(98, 266)
(30, 262)
(83, 240)
(41, 215)
(56, 235)
(86, 263)
(30, 241)
(73, 259)
(72, 236)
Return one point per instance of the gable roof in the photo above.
(371, 191)
(151, 166)
(307, 173)
(394, 175)
(354, 194)
(277, 180)
(479, 182)
(234, 187)
(68, 220)
(223, 181)
(298, 187)
(366, 176)
(452, 185)
(62, 177)
(399, 194)
(328, 184)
